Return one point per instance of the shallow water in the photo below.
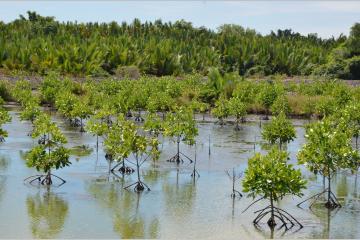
(93, 205)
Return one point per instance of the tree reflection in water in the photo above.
(3, 166)
(47, 213)
(128, 220)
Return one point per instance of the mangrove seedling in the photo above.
(99, 124)
(142, 148)
(327, 150)
(49, 154)
(221, 110)
(195, 172)
(234, 176)
(271, 177)
(182, 126)
(280, 105)
(81, 110)
(115, 145)
(279, 131)
(238, 109)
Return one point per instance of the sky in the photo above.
(327, 18)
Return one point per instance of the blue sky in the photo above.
(327, 18)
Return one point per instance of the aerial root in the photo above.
(237, 127)
(287, 220)
(75, 122)
(123, 169)
(139, 119)
(139, 186)
(252, 204)
(236, 193)
(44, 179)
(220, 122)
(179, 159)
(195, 173)
(331, 203)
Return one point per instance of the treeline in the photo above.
(42, 44)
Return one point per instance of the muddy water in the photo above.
(93, 205)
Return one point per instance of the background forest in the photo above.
(41, 44)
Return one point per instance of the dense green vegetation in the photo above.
(42, 44)
(226, 96)
(164, 106)
(133, 116)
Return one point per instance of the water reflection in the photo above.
(2, 186)
(4, 162)
(3, 166)
(153, 176)
(179, 196)
(128, 219)
(134, 225)
(47, 213)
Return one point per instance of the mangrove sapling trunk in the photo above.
(332, 202)
(195, 172)
(234, 177)
(243, 119)
(271, 222)
(178, 157)
(221, 122)
(97, 144)
(81, 126)
(237, 126)
(139, 185)
(109, 158)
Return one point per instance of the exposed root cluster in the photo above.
(178, 158)
(331, 203)
(129, 114)
(75, 122)
(139, 119)
(139, 186)
(286, 219)
(124, 169)
(43, 179)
